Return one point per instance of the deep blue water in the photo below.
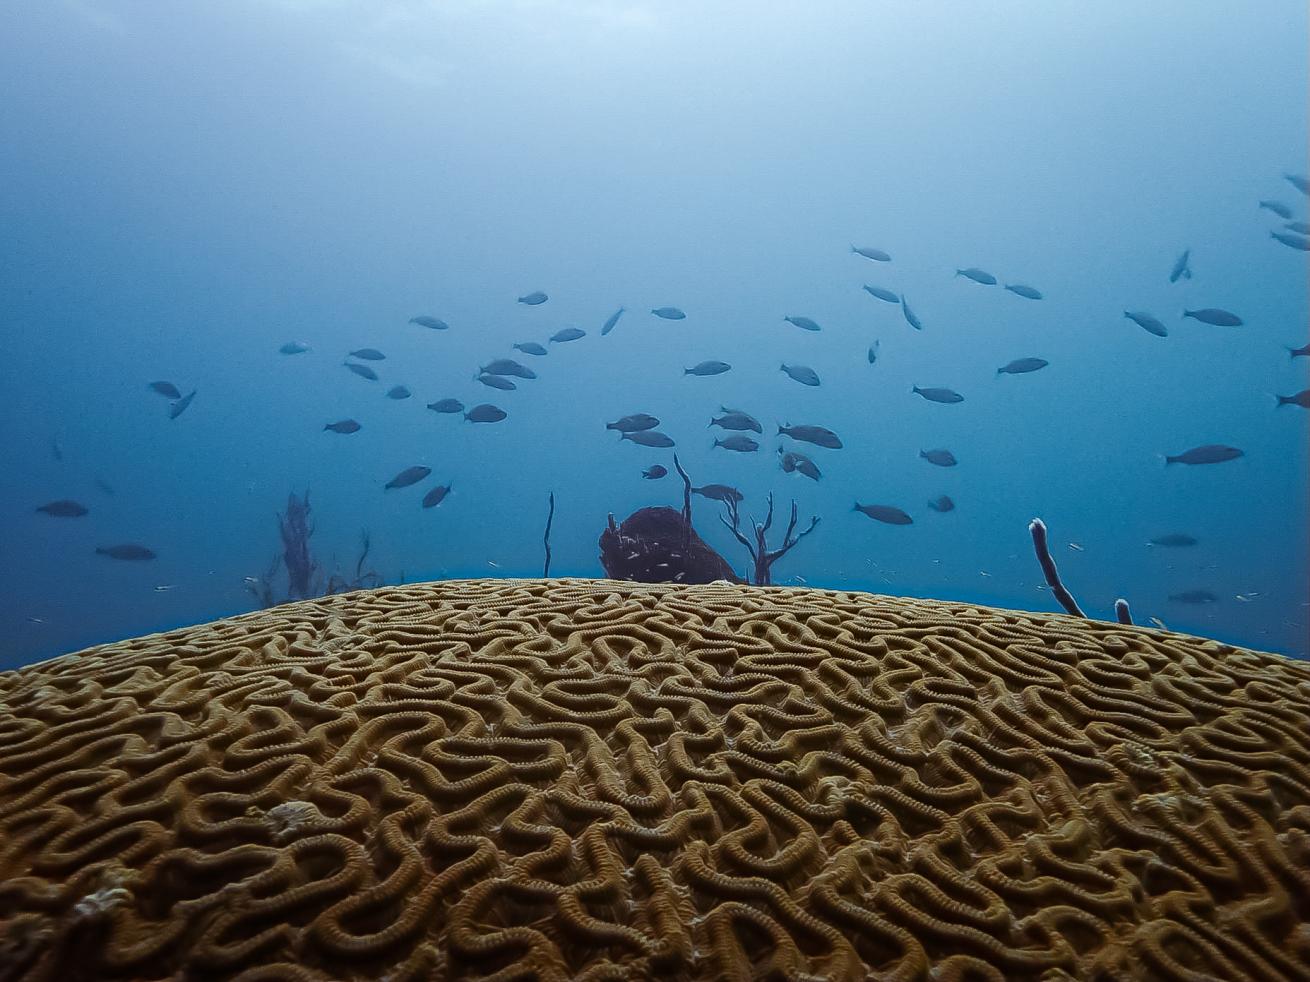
(184, 190)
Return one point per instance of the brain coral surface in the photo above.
(589, 779)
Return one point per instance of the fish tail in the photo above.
(1282, 401)
(1171, 460)
(1189, 313)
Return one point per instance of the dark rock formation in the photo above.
(656, 545)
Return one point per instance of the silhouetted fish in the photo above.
(633, 423)
(647, 438)
(942, 504)
(655, 472)
(873, 352)
(737, 421)
(103, 485)
(939, 395)
(568, 334)
(802, 374)
(1210, 453)
(1301, 399)
(485, 413)
(1027, 292)
(368, 354)
(1215, 316)
(530, 348)
(55, 450)
(1147, 323)
(708, 368)
(436, 496)
(909, 315)
(1301, 352)
(1299, 182)
(497, 382)
(63, 508)
(1022, 366)
(398, 392)
(738, 442)
(1181, 269)
(435, 323)
(887, 514)
(719, 492)
(1300, 228)
(446, 406)
(343, 426)
(1194, 597)
(881, 294)
(877, 255)
(942, 458)
(609, 324)
(668, 313)
(791, 460)
(804, 323)
(534, 298)
(179, 407)
(166, 389)
(507, 366)
(1278, 208)
(363, 371)
(820, 436)
(1174, 540)
(294, 348)
(977, 275)
(128, 551)
(410, 475)
(1294, 241)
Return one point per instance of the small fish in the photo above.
(1246, 598)
(708, 368)
(668, 313)
(881, 294)
(737, 421)
(1210, 453)
(1173, 540)
(363, 371)
(1299, 182)
(410, 475)
(942, 504)
(36, 620)
(888, 514)
(179, 407)
(1158, 623)
(446, 406)
(55, 450)
(873, 352)
(533, 299)
(1194, 597)
(719, 492)
(294, 348)
(739, 442)
(1022, 366)
(398, 392)
(1301, 352)
(128, 551)
(655, 473)
(567, 334)
(1278, 208)
(818, 435)
(1076, 547)
(485, 413)
(63, 508)
(1027, 292)
(530, 348)
(1147, 323)
(977, 275)
(1300, 228)
(492, 564)
(166, 389)
(434, 323)
(1301, 399)
(368, 354)
(497, 382)
(947, 396)
(909, 315)
(103, 485)
(507, 366)
(804, 323)
(1181, 270)
(609, 324)
(1215, 316)
(436, 496)
(1294, 241)
(647, 438)
(792, 461)
(165, 587)
(802, 374)
(942, 458)
(343, 426)
(877, 255)
(633, 423)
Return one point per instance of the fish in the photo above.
(611, 321)
(1299, 182)
(166, 389)
(719, 492)
(485, 413)
(363, 371)
(1077, 547)
(708, 368)
(939, 395)
(63, 508)
(127, 551)
(942, 458)
(909, 315)
(530, 348)
(804, 323)
(1246, 598)
(873, 353)
(1181, 270)
(1277, 207)
(1301, 352)
(446, 406)
(568, 334)
(55, 450)
(820, 436)
(647, 438)
(533, 299)
(668, 313)
(881, 294)
(103, 485)
(942, 504)
(737, 421)
(877, 255)
(398, 392)
(977, 275)
(436, 496)
(343, 426)
(1301, 399)
(1147, 323)
(294, 348)
(1027, 292)
(507, 366)
(633, 423)
(1300, 228)
(368, 354)
(497, 382)
(434, 323)
(791, 460)
(179, 407)
(739, 442)
(1294, 241)
(410, 475)
(1194, 597)
(888, 514)
(1210, 453)
(1158, 623)
(655, 472)
(801, 374)
(1022, 366)
(1176, 540)
(1214, 315)
(165, 587)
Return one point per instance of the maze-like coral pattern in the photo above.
(600, 780)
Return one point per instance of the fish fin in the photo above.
(1282, 401)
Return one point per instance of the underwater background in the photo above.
(186, 189)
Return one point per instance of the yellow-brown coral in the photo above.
(602, 780)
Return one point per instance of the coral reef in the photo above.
(574, 779)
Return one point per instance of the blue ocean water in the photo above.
(186, 188)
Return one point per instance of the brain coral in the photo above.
(601, 780)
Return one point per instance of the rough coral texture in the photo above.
(602, 780)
